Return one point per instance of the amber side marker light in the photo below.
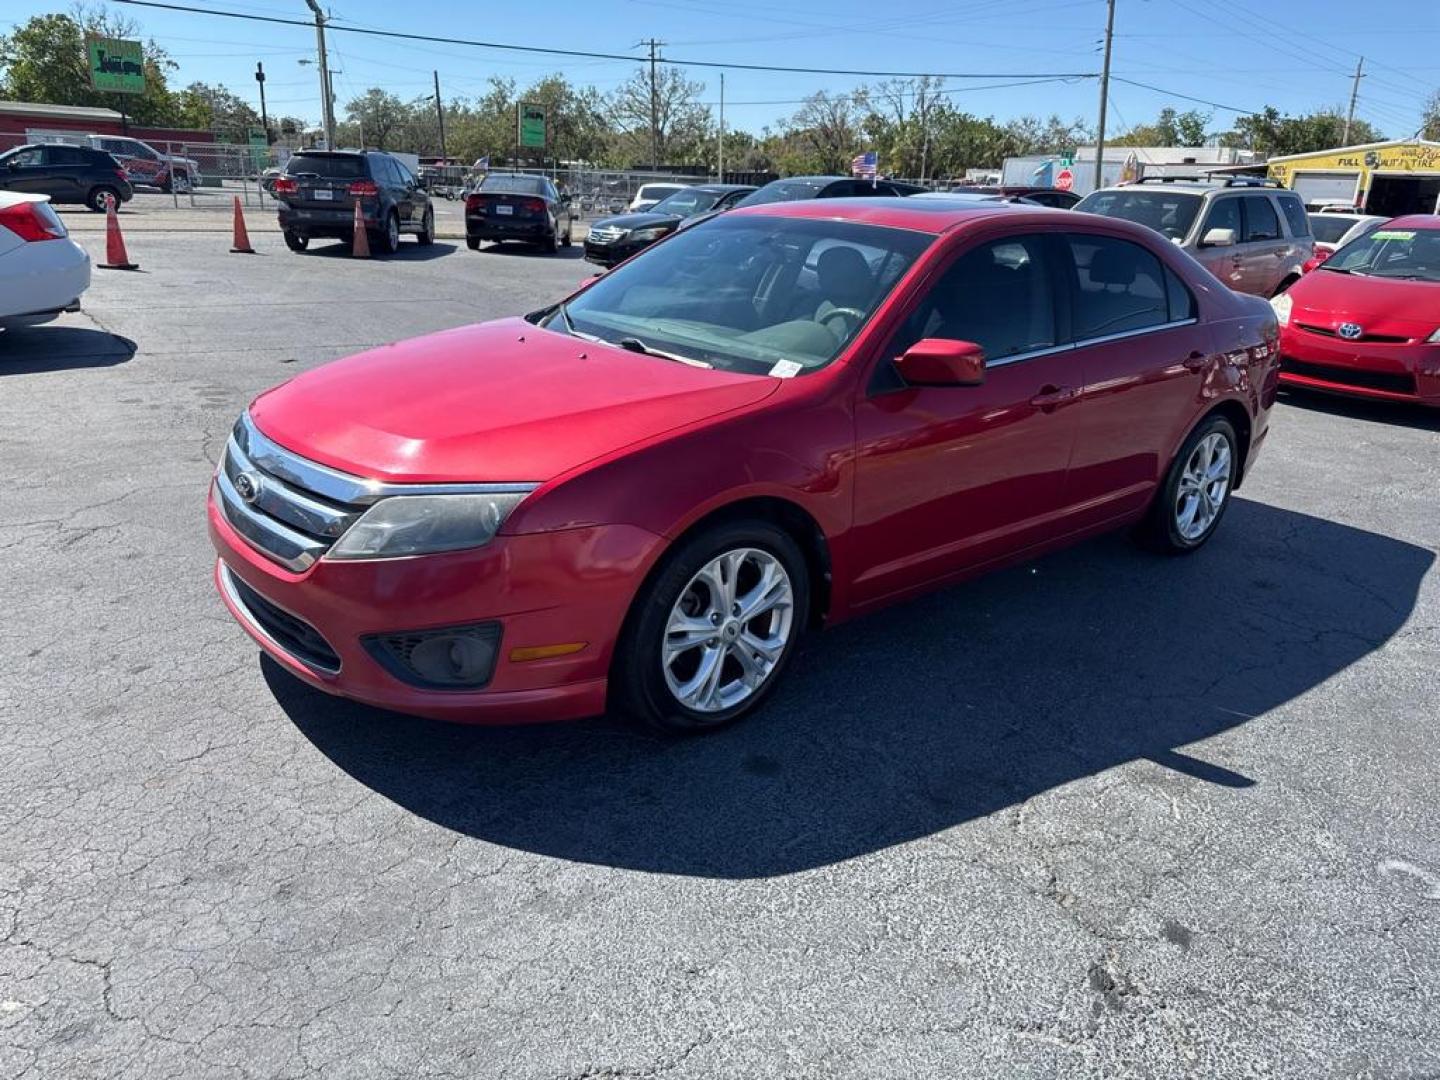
(545, 652)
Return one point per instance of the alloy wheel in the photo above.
(728, 630)
(1204, 486)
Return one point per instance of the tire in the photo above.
(551, 244)
(388, 241)
(569, 231)
(426, 235)
(473, 243)
(295, 242)
(96, 197)
(1173, 525)
(649, 680)
(180, 182)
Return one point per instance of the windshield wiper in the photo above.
(635, 345)
(1342, 270)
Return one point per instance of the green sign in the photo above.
(532, 126)
(115, 66)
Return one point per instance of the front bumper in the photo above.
(1379, 370)
(613, 254)
(543, 589)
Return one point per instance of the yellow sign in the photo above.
(1403, 158)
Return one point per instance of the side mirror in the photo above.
(942, 362)
(1218, 238)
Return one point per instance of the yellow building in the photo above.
(1389, 178)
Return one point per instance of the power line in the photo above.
(401, 36)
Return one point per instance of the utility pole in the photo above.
(327, 97)
(1104, 96)
(722, 128)
(654, 106)
(439, 116)
(264, 116)
(1354, 93)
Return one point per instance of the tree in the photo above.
(216, 109)
(1430, 128)
(377, 117)
(1031, 135)
(44, 60)
(681, 122)
(822, 136)
(1170, 129)
(1270, 133)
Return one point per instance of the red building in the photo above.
(18, 117)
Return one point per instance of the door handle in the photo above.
(1051, 398)
(1195, 361)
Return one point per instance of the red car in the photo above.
(641, 497)
(1367, 321)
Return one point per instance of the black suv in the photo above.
(68, 174)
(320, 189)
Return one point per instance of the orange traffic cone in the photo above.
(116, 257)
(241, 244)
(360, 245)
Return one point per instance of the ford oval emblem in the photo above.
(1350, 331)
(247, 485)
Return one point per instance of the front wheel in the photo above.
(426, 235)
(473, 243)
(569, 233)
(99, 199)
(710, 635)
(181, 182)
(1192, 500)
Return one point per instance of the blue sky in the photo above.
(1241, 53)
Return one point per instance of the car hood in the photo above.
(636, 221)
(499, 402)
(1380, 305)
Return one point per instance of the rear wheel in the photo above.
(295, 242)
(473, 243)
(569, 231)
(1192, 500)
(709, 637)
(99, 198)
(388, 241)
(551, 244)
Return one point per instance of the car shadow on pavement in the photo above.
(924, 716)
(1395, 413)
(29, 350)
(512, 247)
(408, 251)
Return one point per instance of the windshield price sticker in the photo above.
(786, 369)
(1392, 234)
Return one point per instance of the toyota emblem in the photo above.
(1350, 331)
(247, 484)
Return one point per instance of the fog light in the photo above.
(457, 657)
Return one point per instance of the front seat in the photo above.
(845, 282)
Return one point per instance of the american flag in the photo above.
(865, 164)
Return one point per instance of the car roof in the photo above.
(920, 215)
(724, 187)
(1415, 221)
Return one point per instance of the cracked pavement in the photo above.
(1103, 815)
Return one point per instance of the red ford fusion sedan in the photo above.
(1367, 321)
(640, 498)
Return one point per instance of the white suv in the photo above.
(1254, 237)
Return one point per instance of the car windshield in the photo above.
(1329, 228)
(749, 294)
(686, 202)
(657, 191)
(1411, 254)
(523, 185)
(331, 166)
(784, 191)
(1168, 212)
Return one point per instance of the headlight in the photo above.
(651, 234)
(1281, 305)
(1433, 339)
(421, 524)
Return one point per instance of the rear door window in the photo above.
(1295, 216)
(1261, 222)
(1119, 287)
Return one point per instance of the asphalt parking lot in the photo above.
(1102, 815)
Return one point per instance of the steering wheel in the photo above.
(847, 312)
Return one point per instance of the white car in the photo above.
(650, 194)
(1333, 229)
(42, 271)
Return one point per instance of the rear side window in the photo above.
(382, 170)
(1119, 286)
(1181, 299)
(64, 155)
(332, 167)
(1260, 220)
(1295, 216)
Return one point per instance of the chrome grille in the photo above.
(607, 234)
(284, 506)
